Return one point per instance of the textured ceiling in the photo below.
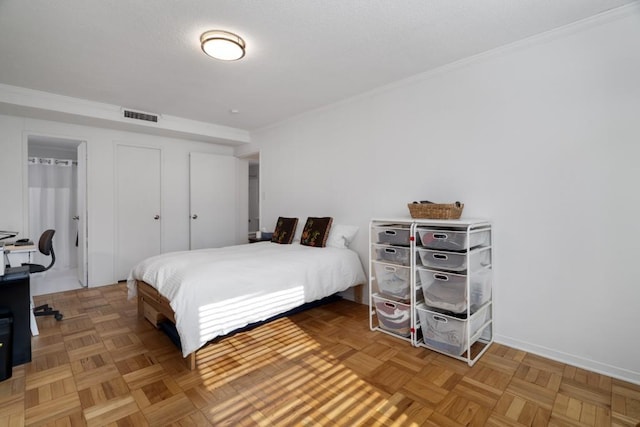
(301, 54)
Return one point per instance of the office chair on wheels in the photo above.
(45, 246)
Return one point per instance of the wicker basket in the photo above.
(435, 210)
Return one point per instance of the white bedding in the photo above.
(216, 291)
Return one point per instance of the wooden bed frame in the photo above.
(155, 308)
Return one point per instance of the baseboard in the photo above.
(591, 365)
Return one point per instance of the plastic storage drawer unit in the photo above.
(393, 234)
(446, 333)
(394, 254)
(451, 240)
(393, 280)
(454, 261)
(447, 291)
(393, 316)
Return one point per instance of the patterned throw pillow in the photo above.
(285, 230)
(316, 231)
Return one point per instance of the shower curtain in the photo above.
(52, 204)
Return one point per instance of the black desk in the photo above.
(15, 295)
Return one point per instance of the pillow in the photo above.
(340, 236)
(316, 231)
(285, 230)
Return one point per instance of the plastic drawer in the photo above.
(393, 234)
(448, 291)
(393, 280)
(453, 240)
(394, 254)
(454, 261)
(393, 316)
(447, 333)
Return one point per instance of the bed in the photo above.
(209, 293)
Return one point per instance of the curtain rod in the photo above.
(51, 161)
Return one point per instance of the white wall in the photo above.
(542, 138)
(11, 191)
(100, 184)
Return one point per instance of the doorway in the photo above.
(57, 200)
(254, 198)
(254, 193)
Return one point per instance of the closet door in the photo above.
(212, 200)
(138, 206)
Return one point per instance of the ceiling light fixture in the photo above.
(222, 45)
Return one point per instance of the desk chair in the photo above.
(45, 246)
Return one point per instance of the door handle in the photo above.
(75, 218)
(194, 216)
(156, 217)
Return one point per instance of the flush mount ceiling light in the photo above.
(222, 45)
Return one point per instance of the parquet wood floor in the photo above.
(102, 365)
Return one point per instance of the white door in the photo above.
(81, 214)
(138, 206)
(212, 200)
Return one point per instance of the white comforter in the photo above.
(215, 291)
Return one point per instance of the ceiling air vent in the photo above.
(138, 115)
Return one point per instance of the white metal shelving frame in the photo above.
(372, 310)
(470, 226)
(484, 335)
